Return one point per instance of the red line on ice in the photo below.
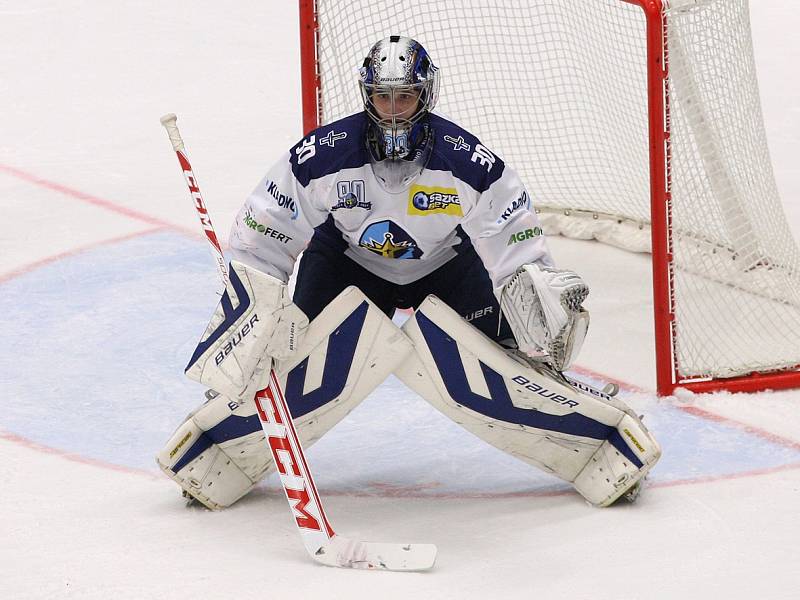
(698, 412)
(387, 491)
(75, 194)
(16, 439)
(713, 478)
(75, 250)
(757, 431)
(83, 196)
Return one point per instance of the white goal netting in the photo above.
(559, 89)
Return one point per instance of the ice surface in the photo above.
(105, 288)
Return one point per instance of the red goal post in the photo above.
(634, 122)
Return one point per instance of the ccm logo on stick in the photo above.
(199, 204)
(286, 461)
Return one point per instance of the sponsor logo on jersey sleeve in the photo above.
(423, 201)
(389, 240)
(283, 200)
(523, 201)
(263, 229)
(351, 195)
(525, 234)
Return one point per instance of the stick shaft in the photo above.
(169, 122)
(274, 414)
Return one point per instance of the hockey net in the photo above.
(564, 91)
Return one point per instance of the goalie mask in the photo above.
(399, 86)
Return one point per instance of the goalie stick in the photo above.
(319, 538)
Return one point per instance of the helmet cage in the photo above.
(396, 69)
(395, 109)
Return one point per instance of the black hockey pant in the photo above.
(462, 283)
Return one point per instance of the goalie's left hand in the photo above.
(543, 308)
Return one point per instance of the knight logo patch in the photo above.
(423, 201)
(389, 240)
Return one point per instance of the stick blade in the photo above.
(347, 553)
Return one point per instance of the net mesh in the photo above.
(559, 89)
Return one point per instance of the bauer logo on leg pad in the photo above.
(499, 405)
(544, 392)
(347, 351)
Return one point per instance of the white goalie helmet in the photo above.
(399, 86)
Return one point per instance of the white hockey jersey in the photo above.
(465, 194)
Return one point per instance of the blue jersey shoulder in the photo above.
(458, 151)
(330, 148)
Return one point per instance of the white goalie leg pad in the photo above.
(243, 325)
(565, 428)
(610, 474)
(219, 453)
(543, 309)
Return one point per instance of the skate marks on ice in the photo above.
(101, 337)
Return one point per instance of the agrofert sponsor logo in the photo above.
(526, 234)
(263, 229)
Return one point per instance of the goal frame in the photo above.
(663, 267)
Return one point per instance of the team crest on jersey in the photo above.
(389, 240)
(424, 201)
(351, 195)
